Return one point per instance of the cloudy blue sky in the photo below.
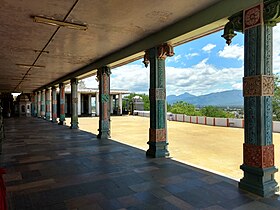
(203, 66)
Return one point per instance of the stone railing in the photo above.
(212, 121)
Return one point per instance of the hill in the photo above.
(222, 99)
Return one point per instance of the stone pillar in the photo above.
(62, 104)
(103, 75)
(54, 105)
(35, 104)
(32, 104)
(43, 104)
(48, 104)
(158, 129)
(258, 88)
(97, 104)
(39, 103)
(74, 105)
(111, 104)
(79, 103)
(120, 104)
(89, 105)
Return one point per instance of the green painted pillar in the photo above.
(158, 127)
(258, 87)
(35, 104)
(62, 104)
(258, 149)
(39, 104)
(48, 104)
(74, 106)
(103, 76)
(43, 104)
(54, 105)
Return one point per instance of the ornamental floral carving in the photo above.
(253, 17)
(260, 85)
(157, 135)
(75, 100)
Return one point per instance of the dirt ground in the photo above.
(216, 149)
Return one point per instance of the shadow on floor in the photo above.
(53, 167)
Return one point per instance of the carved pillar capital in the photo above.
(163, 51)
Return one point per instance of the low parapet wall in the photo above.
(213, 121)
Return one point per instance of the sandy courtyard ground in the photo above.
(216, 149)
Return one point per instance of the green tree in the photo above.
(212, 111)
(182, 107)
(276, 98)
(145, 98)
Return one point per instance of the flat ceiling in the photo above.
(112, 25)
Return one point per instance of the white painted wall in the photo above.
(201, 120)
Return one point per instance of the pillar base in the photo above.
(74, 126)
(54, 120)
(61, 123)
(157, 149)
(104, 134)
(259, 181)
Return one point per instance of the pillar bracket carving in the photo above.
(267, 13)
(164, 51)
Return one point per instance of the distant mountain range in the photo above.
(232, 98)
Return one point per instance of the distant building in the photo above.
(88, 101)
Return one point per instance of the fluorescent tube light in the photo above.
(53, 22)
(29, 66)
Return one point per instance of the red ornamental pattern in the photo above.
(258, 156)
(157, 135)
(62, 109)
(105, 84)
(253, 16)
(105, 108)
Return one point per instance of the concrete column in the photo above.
(158, 128)
(97, 104)
(39, 104)
(54, 105)
(120, 104)
(80, 103)
(62, 104)
(74, 107)
(43, 104)
(89, 105)
(48, 104)
(103, 75)
(32, 104)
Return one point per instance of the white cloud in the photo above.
(207, 48)
(174, 59)
(238, 86)
(276, 49)
(232, 51)
(201, 78)
(190, 55)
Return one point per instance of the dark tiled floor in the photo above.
(54, 167)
